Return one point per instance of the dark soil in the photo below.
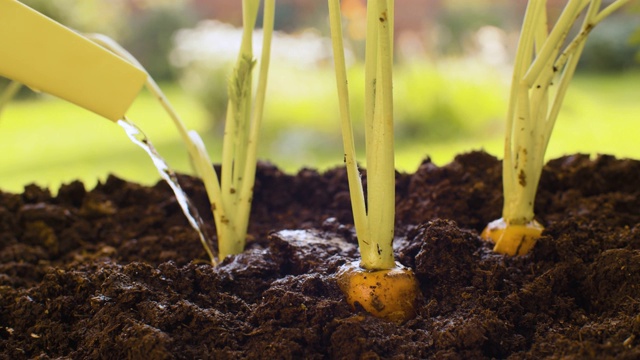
(116, 272)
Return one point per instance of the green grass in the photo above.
(440, 111)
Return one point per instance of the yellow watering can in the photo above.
(48, 57)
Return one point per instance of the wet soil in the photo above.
(116, 272)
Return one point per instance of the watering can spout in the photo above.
(49, 57)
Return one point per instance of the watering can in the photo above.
(49, 57)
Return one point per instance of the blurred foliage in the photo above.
(612, 46)
(290, 18)
(207, 52)
(149, 36)
(634, 39)
(437, 102)
(205, 55)
(146, 28)
(457, 24)
(209, 87)
(434, 101)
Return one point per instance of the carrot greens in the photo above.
(543, 68)
(378, 284)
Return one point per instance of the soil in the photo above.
(117, 273)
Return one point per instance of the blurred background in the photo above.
(452, 71)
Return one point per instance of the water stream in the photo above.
(139, 138)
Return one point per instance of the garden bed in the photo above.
(116, 272)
